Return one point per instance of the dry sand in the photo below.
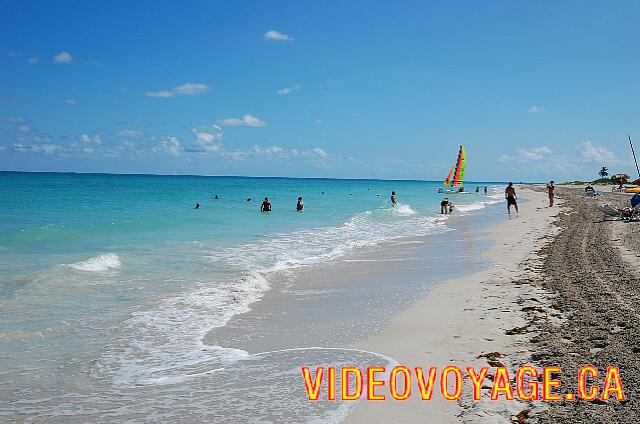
(483, 314)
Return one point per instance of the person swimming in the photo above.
(394, 200)
(216, 197)
(266, 205)
(248, 199)
(197, 206)
(299, 205)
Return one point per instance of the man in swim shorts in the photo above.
(512, 198)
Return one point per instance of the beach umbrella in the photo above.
(622, 178)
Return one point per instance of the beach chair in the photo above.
(590, 192)
(609, 212)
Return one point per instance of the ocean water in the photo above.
(119, 301)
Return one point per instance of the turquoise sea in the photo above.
(109, 284)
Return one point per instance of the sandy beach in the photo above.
(562, 291)
(592, 265)
(463, 319)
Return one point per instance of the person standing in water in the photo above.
(445, 206)
(299, 205)
(394, 201)
(512, 198)
(485, 190)
(551, 188)
(266, 205)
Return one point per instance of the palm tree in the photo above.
(603, 172)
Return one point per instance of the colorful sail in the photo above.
(447, 181)
(458, 175)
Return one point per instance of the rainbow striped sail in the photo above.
(455, 178)
(447, 181)
(458, 175)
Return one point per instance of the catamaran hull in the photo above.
(449, 191)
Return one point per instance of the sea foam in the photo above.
(100, 263)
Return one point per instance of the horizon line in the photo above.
(247, 176)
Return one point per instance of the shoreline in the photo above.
(464, 318)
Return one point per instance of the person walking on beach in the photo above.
(266, 205)
(299, 205)
(510, 195)
(551, 189)
(394, 201)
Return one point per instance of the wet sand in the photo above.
(475, 321)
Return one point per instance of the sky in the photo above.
(534, 90)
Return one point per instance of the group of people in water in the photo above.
(266, 205)
(446, 207)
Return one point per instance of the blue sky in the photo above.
(534, 90)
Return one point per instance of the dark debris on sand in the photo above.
(590, 266)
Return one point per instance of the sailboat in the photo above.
(455, 179)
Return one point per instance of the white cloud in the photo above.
(245, 121)
(33, 60)
(190, 89)
(38, 148)
(91, 139)
(63, 57)
(49, 148)
(314, 157)
(208, 138)
(591, 153)
(187, 89)
(259, 151)
(277, 36)
(534, 153)
(320, 152)
(2, 149)
(163, 93)
(130, 134)
(14, 53)
(527, 155)
(72, 101)
(172, 145)
(288, 90)
(536, 109)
